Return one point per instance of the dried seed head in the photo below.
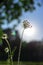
(26, 24)
(4, 36)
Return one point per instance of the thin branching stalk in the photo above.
(20, 48)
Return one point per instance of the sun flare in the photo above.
(30, 31)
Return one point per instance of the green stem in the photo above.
(10, 52)
(20, 48)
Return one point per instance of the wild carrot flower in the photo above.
(26, 24)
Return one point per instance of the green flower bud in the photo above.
(6, 49)
(4, 36)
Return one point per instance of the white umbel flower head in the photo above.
(6, 49)
(26, 24)
(4, 36)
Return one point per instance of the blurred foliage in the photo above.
(12, 9)
(1, 33)
(12, 53)
(38, 4)
(9, 9)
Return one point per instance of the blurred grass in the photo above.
(21, 63)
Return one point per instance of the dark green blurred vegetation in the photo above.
(32, 51)
(22, 63)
